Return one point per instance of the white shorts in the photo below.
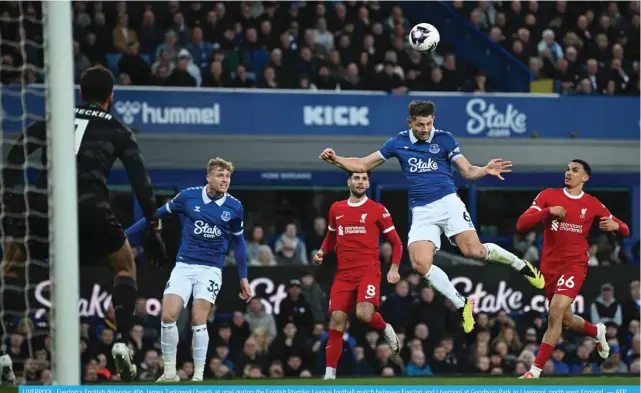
(204, 282)
(447, 215)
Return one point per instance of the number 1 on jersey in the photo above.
(81, 127)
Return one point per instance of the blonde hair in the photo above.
(220, 163)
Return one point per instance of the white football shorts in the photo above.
(447, 215)
(203, 282)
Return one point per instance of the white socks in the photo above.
(536, 371)
(169, 345)
(439, 280)
(498, 254)
(200, 344)
(330, 373)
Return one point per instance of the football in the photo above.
(424, 37)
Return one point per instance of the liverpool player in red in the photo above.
(568, 214)
(355, 226)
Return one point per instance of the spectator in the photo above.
(241, 80)
(287, 343)
(80, 62)
(163, 60)
(290, 248)
(583, 361)
(630, 307)
(214, 76)
(314, 240)
(295, 308)
(200, 50)
(322, 36)
(315, 297)
(396, 308)
(606, 308)
(417, 367)
(150, 35)
(134, 65)
(265, 257)
(256, 317)
(123, 34)
(250, 358)
(181, 76)
(548, 43)
(150, 369)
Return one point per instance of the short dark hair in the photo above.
(96, 85)
(350, 174)
(586, 166)
(421, 108)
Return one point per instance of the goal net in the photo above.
(36, 83)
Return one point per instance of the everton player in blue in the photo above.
(212, 218)
(427, 156)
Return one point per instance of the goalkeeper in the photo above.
(100, 140)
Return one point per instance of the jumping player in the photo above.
(355, 226)
(212, 218)
(567, 214)
(426, 156)
(101, 139)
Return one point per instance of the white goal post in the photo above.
(63, 207)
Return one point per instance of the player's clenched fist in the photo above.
(318, 257)
(392, 276)
(558, 212)
(328, 155)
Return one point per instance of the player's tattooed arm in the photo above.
(495, 167)
(352, 164)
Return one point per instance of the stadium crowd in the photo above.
(590, 48)
(251, 343)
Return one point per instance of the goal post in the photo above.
(63, 234)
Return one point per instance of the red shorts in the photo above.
(346, 292)
(568, 282)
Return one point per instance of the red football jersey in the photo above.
(358, 229)
(566, 243)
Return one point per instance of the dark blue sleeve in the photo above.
(453, 149)
(177, 205)
(141, 225)
(388, 150)
(238, 238)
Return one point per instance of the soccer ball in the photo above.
(424, 38)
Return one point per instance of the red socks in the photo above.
(334, 348)
(377, 322)
(589, 329)
(545, 351)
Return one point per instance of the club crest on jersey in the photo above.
(363, 217)
(434, 149)
(226, 216)
(583, 211)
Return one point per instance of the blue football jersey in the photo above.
(207, 225)
(427, 165)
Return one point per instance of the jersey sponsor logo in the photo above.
(132, 111)
(226, 216)
(351, 230)
(434, 149)
(566, 227)
(417, 165)
(202, 228)
(342, 116)
(583, 212)
(487, 118)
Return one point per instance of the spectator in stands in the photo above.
(123, 34)
(630, 307)
(315, 297)
(214, 76)
(242, 80)
(134, 65)
(583, 361)
(314, 240)
(170, 46)
(606, 308)
(295, 308)
(256, 317)
(80, 62)
(181, 76)
(290, 249)
(200, 50)
(396, 308)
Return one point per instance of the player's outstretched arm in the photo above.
(142, 224)
(496, 167)
(329, 243)
(352, 164)
(397, 252)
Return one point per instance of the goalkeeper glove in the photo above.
(155, 250)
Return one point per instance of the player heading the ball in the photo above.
(567, 215)
(211, 220)
(355, 227)
(426, 156)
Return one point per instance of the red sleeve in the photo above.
(397, 246)
(385, 222)
(601, 210)
(329, 243)
(535, 214)
(624, 230)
